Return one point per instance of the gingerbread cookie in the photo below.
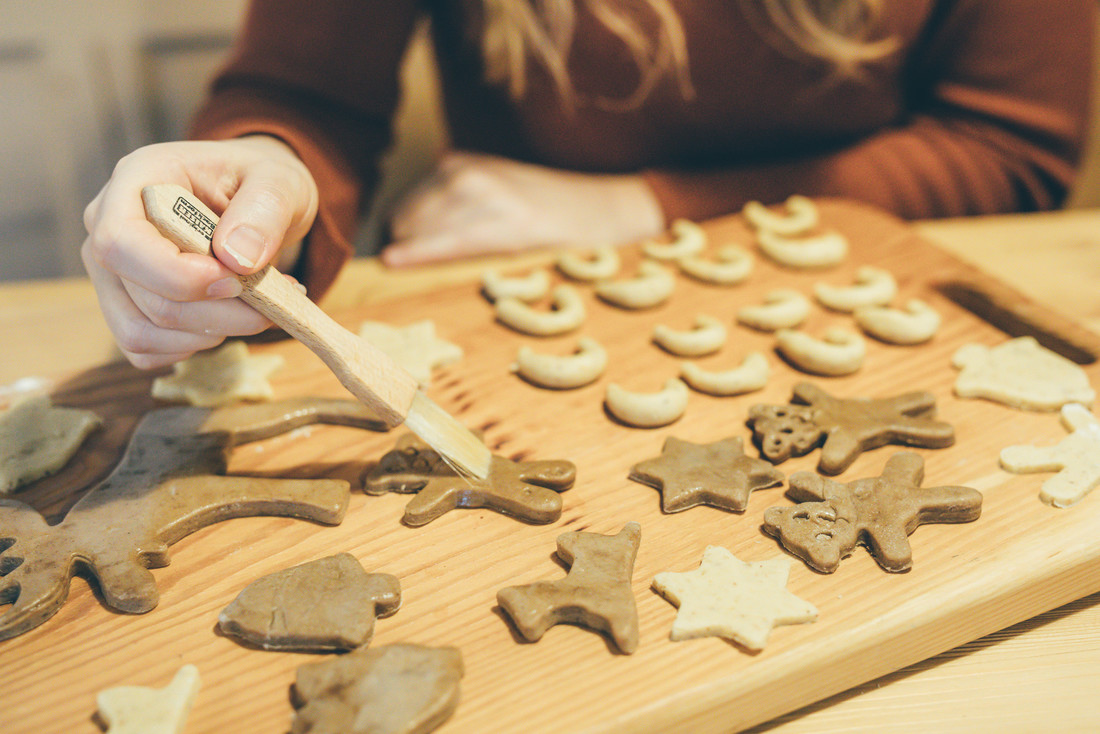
(415, 347)
(170, 482)
(1021, 374)
(727, 597)
(141, 710)
(528, 490)
(595, 593)
(831, 518)
(393, 689)
(1076, 458)
(219, 377)
(323, 605)
(845, 428)
(38, 439)
(718, 474)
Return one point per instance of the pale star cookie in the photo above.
(1076, 458)
(1021, 374)
(219, 377)
(727, 597)
(140, 710)
(38, 439)
(415, 347)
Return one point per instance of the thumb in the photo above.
(254, 225)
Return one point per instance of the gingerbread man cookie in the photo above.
(717, 474)
(831, 518)
(527, 490)
(844, 428)
(1076, 458)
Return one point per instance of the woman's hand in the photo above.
(163, 305)
(479, 205)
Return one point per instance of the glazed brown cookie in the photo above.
(718, 474)
(845, 428)
(831, 518)
(527, 490)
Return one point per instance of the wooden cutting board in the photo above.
(1018, 560)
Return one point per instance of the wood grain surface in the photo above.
(1018, 560)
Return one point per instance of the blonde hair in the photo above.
(515, 31)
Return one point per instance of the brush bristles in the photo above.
(455, 443)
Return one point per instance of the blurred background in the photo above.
(83, 83)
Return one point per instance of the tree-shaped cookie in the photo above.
(527, 490)
(323, 605)
(595, 593)
(717, 474)
(170, 482)
(844, 428)
(1076, 458)
(831, 518)
(392, 689)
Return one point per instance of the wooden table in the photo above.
(1037, 675)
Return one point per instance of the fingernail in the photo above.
(224, 288)
(245, 245)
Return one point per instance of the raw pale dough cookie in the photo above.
(651, 286)
(38, 439)
(727, 597)
(219, 377)
(1076, 458)
(648, 410)
(415, 347)
(1021, 374)
(562, 372)
(393, 689)
(141, 710)
(530, 287)
(324, 605)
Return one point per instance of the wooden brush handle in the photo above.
(366, 371)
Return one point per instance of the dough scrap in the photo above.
(648, 410)
(527, 490)
(1076, 459)
(651, 286)
(567, 313)
(38, 439)
(604, 262)
(729, 598)
(707, 337)
(595, 592)
(783, 308)
(831, 518)
(718, 474)
(916, 324)
(528, 288)
(752, 374)
(845, 428)
(688, 239)
(218, 377)
(562, 372)
(414, 346)
(325, 605)
(873, 287)
(391, 689)
(141, 710)
(1021, 374)
(729, 266)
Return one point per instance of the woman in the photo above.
(588, 121)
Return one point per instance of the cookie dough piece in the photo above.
(324, 605)
(845, 428)
(141, 710)
(838, 352)
(831, 518)
(567, 313)
(727, 597)
(415, 347)
(595, 593)
(873, 287)
(729, 266)
(800, 217)
(392, 689)
(604, 262)
(707, 337)
(752, 374)
(648, 410)
(38, 439)
(782, 308)
(1076, 458)
(562, 372)
(688, 239)
(718, 474)
(527, 490)
(816, 251)
(531, 287)
(651, 286)
(915, 324)
(1021, 374)
(219, 377)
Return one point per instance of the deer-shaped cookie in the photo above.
(169, 483)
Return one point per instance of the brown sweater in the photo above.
(981, 110)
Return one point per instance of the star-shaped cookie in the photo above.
(717, 474)
(1076, 458)
(527, 490)
(1020, 373)
(727, 597)
(415, 347)
(881, 511)
(38, 439)
(141, 710)
(218, 377)
(845, 428)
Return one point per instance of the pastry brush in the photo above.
(366, 371)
